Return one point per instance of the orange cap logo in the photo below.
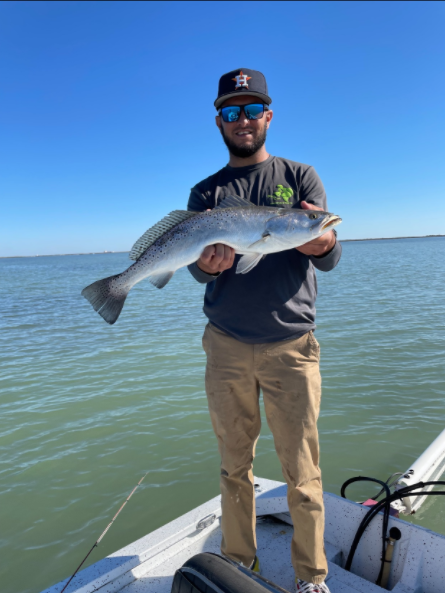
(241, 80)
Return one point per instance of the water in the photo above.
(87, 409)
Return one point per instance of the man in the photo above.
(260, 335)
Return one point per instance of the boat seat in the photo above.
(211, 573)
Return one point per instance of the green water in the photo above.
(87, 409)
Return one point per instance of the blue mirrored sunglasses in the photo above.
(252, 111)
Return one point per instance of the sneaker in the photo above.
(304, 587)
(256, 565)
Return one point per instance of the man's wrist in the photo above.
(326, 253)
(215, 274)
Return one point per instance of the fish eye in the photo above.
(313, 215)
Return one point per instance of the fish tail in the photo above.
(107, 297)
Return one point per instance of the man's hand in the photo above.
(216, 258)
(318, 246)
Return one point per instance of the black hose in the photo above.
(368, 518)
(389, 483)
(386, 505)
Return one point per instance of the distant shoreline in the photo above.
(103, 252)
(392, 238)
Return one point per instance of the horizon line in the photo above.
(102, 252)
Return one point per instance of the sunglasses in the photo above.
(232, 113)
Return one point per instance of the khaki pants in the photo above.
(288, 374)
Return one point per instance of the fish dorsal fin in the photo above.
(159, 229)
(235, 202)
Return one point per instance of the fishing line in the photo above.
(97, 542)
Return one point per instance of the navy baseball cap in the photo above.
(242, 81)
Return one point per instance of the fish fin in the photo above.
(248, 262)
(261, 241)
(107, 301)
(156, 231)
(160, 280)
(235, 202)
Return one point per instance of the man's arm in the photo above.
(215, 258)
(325, 251)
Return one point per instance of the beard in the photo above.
(244, 152)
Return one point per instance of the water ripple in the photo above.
(87, 409)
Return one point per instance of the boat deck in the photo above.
(274, 538)
(148, 564)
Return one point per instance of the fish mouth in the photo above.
(334, 220)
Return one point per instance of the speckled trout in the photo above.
(179, 239)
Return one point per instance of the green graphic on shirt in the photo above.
(282, 195)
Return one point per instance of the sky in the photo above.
(107, 117)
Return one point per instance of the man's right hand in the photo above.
(216, 258)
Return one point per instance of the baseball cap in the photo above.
(242, 81)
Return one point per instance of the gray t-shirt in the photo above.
(276, 300)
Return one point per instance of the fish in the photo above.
(179, 239)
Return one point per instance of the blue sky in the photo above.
(107, 117)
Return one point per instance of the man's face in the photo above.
(244, 137)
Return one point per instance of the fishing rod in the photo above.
(97, 542)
